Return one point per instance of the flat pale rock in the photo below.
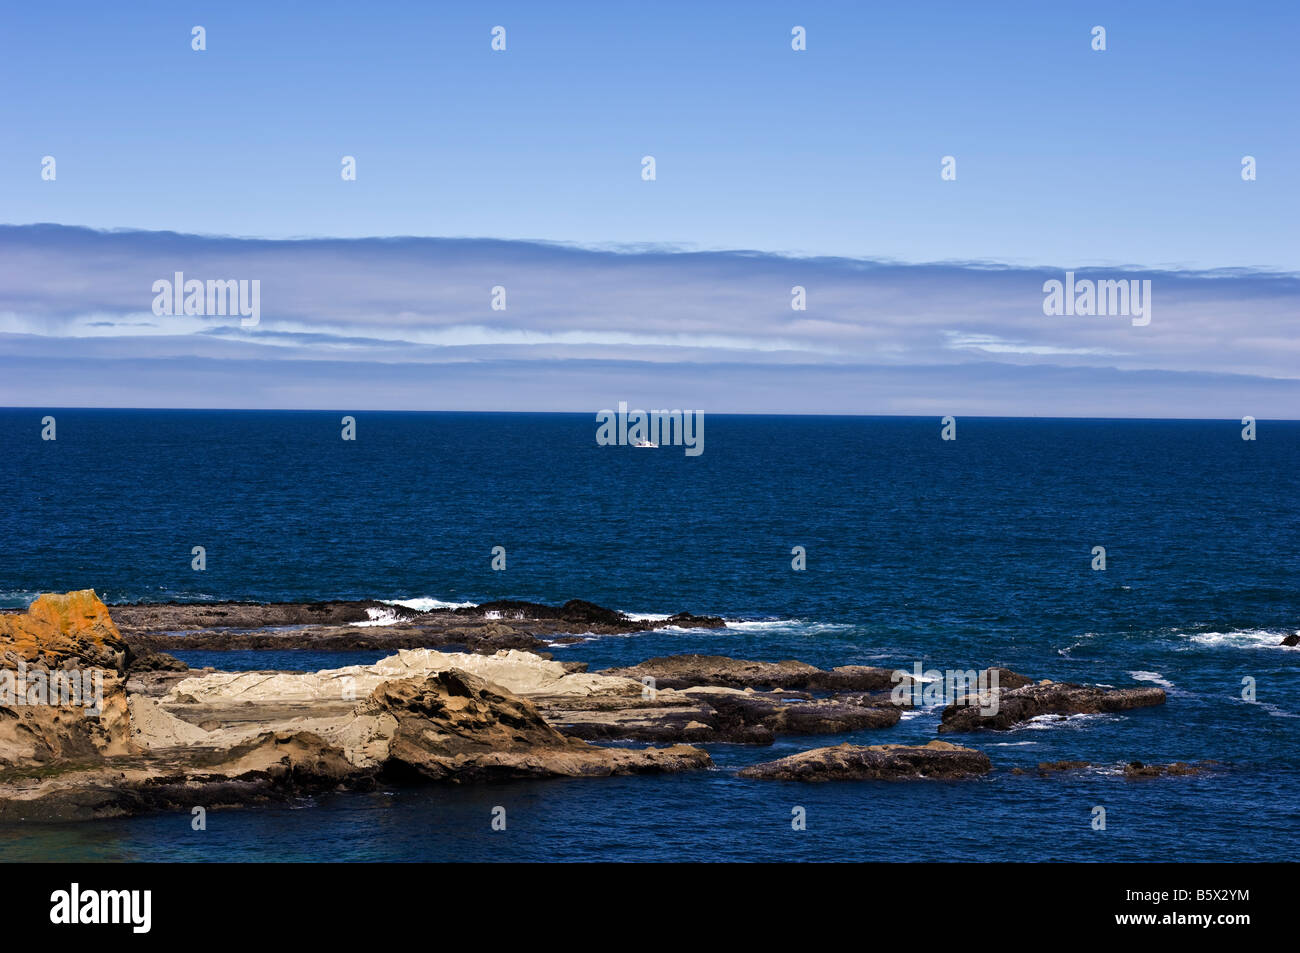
(521, 673)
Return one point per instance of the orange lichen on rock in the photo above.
(62, 688)
(62, 626)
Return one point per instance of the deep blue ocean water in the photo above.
(953, 554)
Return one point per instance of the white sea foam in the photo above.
(1154, 678)
(1244, 639)
(1083, 640)
(1041, 722)
(428, 604)
(801, 626)
(378, 617)
(1275, 711)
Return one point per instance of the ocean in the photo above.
(952, 554)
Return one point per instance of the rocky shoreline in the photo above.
(167, 738)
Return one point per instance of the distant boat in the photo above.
(643, 443)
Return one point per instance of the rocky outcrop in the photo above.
(936, 760)
(352, 626)
(57, 629)
(713, 714)
(686, 671)
(226, 738)
(453, 726)
(270, 767)
(1019, 705)
(594, 706)
(1291, 640)
(62, 691)
(447, 726)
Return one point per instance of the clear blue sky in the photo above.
(1065, 156)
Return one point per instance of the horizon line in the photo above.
(633, 249)
(582, 413)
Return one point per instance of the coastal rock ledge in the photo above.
(936, 760)
(268, 737)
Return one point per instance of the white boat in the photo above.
(643, 443)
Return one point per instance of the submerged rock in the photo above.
(1136, 769)
(936, 760)
(1133, 769)
(1047, 767)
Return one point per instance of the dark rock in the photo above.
(1019, 705)
(177, 616)
(686, 671)
(575, 610)
(1007, 679)
(937, 760)
(689, 620)
(699, 715)
(330, 626)
(484, 639)
(155, 662)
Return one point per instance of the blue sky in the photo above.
(1127, 162)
